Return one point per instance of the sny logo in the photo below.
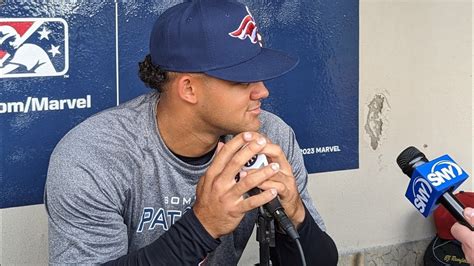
(443, 171)
(33, 47)
(421, 190)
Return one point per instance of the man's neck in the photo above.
(181, 134)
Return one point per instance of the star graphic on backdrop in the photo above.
(44, 33)
(54, 50)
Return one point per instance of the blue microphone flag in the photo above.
(431, 180)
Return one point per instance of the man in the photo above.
(465, 236)
(158, 180)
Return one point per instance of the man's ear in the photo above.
(187, 88)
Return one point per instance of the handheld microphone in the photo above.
(432, 183)
(274, 206)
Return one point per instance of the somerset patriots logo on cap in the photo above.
(33, 47)
(247, 28)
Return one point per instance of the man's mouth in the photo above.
(255, 110)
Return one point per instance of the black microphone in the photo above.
(273, 207)
(432, 182)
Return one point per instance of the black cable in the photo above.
(300, 249)
(285, 223)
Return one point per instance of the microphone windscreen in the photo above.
(406, 156)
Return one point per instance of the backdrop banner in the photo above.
(72, 59)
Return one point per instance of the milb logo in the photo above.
(33, 47)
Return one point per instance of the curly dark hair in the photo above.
(153, 76)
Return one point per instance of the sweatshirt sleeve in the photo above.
(186, 243)
(318, 247)
(84, 205)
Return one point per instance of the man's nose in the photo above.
(259, 91)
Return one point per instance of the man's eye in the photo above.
(241, 84)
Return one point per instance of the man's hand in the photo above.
(285, 183)
(220, 204)
(465, 236)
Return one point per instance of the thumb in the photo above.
(469, 214)
(219, 146)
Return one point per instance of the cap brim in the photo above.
(268, 64)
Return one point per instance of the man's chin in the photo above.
(254, 127)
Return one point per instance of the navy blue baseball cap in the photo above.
(217, 37)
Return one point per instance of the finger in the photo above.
(258, 200)
(254, 179)
(469, 254)
(241, 157)
(466, 237)
(219, 146)
(268, 139)
(469, 214)
(227, 151)
(207, 179)
(280, 187)
(275, 154)
(463, 234)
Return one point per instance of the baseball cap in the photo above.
(444, 220)
(441, 252)
(216, 37)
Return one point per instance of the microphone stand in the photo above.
(265, 235)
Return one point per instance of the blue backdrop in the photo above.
(92, 51)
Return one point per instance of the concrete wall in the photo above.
(24, 236)
(416, 58)
(415, 80)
